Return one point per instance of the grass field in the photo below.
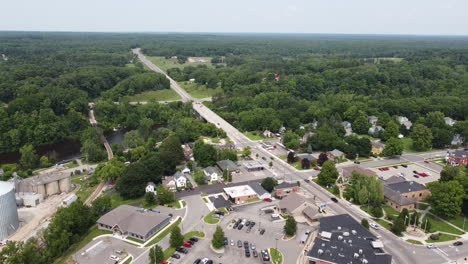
(422, 206)
(383, 223)
(165, 64)
(443, 238)
(198, 90)
(71, 165)
(439, 225)
(117, 200)
(408, 146)
(390, 211)
(88, 237)
(276, 256)
(85, 189)
(164, 233)
(210, 220)
(159, 95)
(128, 261)
(174, 204)
(458, 221)
(416, 242)
(254, 135)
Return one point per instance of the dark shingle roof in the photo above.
(286, 185)
(342, 249)
(227, 165)
(406, 187)
(397, 197)
(459, 154)
(258, 188)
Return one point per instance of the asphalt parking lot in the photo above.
(408, 173)
(100, 250)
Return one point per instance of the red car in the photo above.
(317, 169)
(426, 161)
(187, 244)
(164, 262)
(422, 174)
(396, 167)
(267, 200)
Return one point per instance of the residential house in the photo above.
(268, 134)
(312, 213)
(373, 120)
(151, 187)
(348, 127)
(401, 194)
(307, 156)
(260, 191)
(240, 194)
(188, 152)
(342, 240)
(408, 125)
(347, 172)
(306, 137)
(403, 120)
(375, 131)
(285, 188)
(457, 140)
(169, 183)
(226, 145)
(282, 130)
(228, 165)
(377, 147)
(335, 155)
(212, 174)
(185, 170)
(449, 121)
(458, 158)
(180, 179)
(135, 222)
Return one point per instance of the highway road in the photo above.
(401, 251)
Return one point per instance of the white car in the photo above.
(431, 246)
(114, 257)
(204, 261)
(375, 226)
(232, 242)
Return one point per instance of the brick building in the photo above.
(458, 158)
(283, 189)
(240, 194)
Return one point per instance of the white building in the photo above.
(240, 194)
(151, 187)
(373, 119)
(449, 121)
(186, 170)
(212, 174)
(180, 179)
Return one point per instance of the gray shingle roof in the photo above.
(210, 170)
(459, 154)
(133, 219)
(342, 249)
(227, 165)
(406, 187)
(306, 156)
(397, 197)
(286, 185)
(291, 202)
(310, 212)
(258, 188)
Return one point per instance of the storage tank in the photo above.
(9, 215)
(52, 188)
(65, 184)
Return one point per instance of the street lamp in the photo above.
(405, 219)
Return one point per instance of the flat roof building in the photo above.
(133, 221)
(254, 165)
(240, 194)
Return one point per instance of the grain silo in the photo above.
(65, 184)
(9, 214)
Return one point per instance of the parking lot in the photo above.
(245, 175)
(408, 173)
(100, 251)
(272, 237)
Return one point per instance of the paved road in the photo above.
(402, 252)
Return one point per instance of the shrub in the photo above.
(435, 237)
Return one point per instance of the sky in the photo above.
(414, 17)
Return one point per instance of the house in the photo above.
(377, 147)
(226, 145)
(212, 174)
(240, 194)
(282, 130)
(407, 125)
(335, 155)
(169, 183)
(312, 213)
(347, 172)
(285, 188)
(458, 158)
(373, 120)
(449, 121)
(131, 221)
(185, 171)
(260, 191)
(254, 165)
(180, 179)
(151, 187)
(375, 131)
(192, 80)
(293, 205)
(188, 152)
(348, 128)
(457, 140)
(268, 134)
(228, 165)
(401, 194)
(402, 119)
(307, 156)
(342, 240)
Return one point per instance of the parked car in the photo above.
(334, 199)
(306, 180)
(458, 243)
(374, 225)
(317, 168)
(219, 213)
(191, 242)
(164, 262)
(182, 250)
(357, 162)
(247, 253)
(426, 161)
(246, 244)
(187, 244)
(268, 200)
(197, 261)
(232, 242)
(204, 261)
(262, 231)
(176, 256)
(239, 243)
(415, 172)
(265, 255)
(254, 253)
(248, 223)
(249, 229)
(194, 239)
(404, 166)
(209, 261)
(252, 224)
(114, 257)
(226, 242)
(416, 176)
(240, 227)
(252, 246)
(431, 246)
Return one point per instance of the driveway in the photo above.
(100, 250)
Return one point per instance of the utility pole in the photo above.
(425, 226)
(405, 219)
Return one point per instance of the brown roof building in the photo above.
(348, 171)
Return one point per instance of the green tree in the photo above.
(218, 238)
(92, 151)
(291, 157)
(204, 154)
(291, 140)
(290, 227)
(101, 205)
(450, 173)
(165, 196)
(422, 137)
(111, 171)
(176, 239)
(133, 181)
(171, 154)
(322, 159)
(149, 198)
(446, 198)
(328, 174)
(156, 255)
(393, 147)
(44, 162)
(247, 151)
(376, 211)
(145, 127)
(398, 227)
(392, 130)
(363, 195)
(132, 139)
(227, 154)
(361, 125)
(365, 223)
(269, 184)
(29, 157)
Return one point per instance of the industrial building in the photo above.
(9, 215)
(46, 184)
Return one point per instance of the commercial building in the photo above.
(227, 165)
(347, 172)
(261, 192)
(285, 188)
(240, 194)
(254, 165)
(46, 184)
(294, 205)
(127, 220)
(458, 158)
(8, 212)
(342, 240)
(401, 194)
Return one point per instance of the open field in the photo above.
(165, 64)
(198, 90)
(443, 238)
(85, 189)
(159, 95)
(254, 135)
(440, 226)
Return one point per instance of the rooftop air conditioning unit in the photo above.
(340, 237)
(360, 251)
(356, 255)
(339, 227)
(354, 232)
(345, 234)
(320, 252)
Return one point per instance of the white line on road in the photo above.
(91, 248)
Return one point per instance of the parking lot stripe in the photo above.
(91, 248)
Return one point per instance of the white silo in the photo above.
(9, 215)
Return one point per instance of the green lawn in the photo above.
(408, 146)
(254, 135)
(210, 220)
(205, 200)
(165, 64)
(174, 204)
(422, 206)
(198, 90)
(71, 165)
(85, 190)
(88, 237)
(159, 95)
(390, 211)
(383, 223)
(164, 233)
(458, 221)
(276, 256)
(117, 200)
(443, 238)
(438, 225)
(416, 242)
(168, 252)
(184, 203)
(136, 240)
(128, 261)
